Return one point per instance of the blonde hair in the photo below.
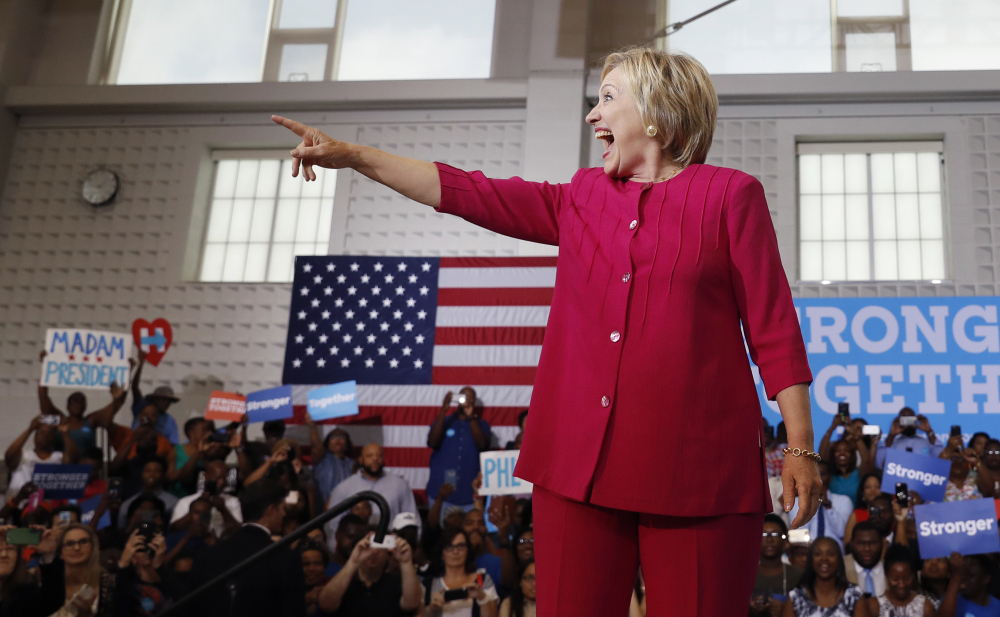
(93, 565)
(674, 94)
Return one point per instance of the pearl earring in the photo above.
(651, 130)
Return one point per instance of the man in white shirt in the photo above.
(831, 518)
(864, 564)
(226, 512)
(372, 477)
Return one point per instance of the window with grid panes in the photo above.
(261, 217)
(871, 212)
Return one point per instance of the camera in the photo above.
(907, 421)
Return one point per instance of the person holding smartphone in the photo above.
(962, 483)
(454, 584)
(903, 436)
(19, 595)
(456, 439)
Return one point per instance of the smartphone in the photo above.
(902, 494)
(51, 419)
(799, 536)
(907, 421)
(461, 399)
(762, 598)
(871, 429)
(292, 498)
(388, 542)
(35, 500)
(451, 476)
(291, 453)
(956, 430)
(456, 594)
(844, 411)
(114, 488)
(22, 536)
(218, 437)
(65, 518)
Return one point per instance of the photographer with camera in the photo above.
(456, 440)
(226, 513)
(364, 588)
(903, 436)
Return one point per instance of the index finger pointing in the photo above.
(296, 127)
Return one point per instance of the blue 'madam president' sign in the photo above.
(966, 527)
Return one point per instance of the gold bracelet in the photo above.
(802, 452)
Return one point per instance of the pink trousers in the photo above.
(586, 558)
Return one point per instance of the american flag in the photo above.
(408, 330)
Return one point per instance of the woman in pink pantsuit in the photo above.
(645, 439)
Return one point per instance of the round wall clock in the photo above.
(100, 187)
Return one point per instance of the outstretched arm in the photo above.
(44, 402)
(103, 417)
(412, 178)
(137, 376)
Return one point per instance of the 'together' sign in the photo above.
(334, 401)
(967, 527)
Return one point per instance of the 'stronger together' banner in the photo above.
(940, 356)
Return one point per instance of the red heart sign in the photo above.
(153, 338)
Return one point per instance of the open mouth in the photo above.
(609, 140)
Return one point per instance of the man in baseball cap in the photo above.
(406, 526)
(161, 398)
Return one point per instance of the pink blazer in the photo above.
(644, 399)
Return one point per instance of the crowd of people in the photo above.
(165, 510)
(859, 556)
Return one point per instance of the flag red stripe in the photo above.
(407, 457)
(489, 336)
(485, 375)
(400, 415)
(500, 296)
(499, 262)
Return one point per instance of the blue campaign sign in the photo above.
(935, 355)
(498, 474)
(335, 401)
(89, 507)
(270, 404)
(967, 527)
(62, 481)
(927, 475)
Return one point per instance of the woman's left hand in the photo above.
(800, 478)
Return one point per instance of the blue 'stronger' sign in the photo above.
(270, 404)
(966, 527)
(928, 475)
